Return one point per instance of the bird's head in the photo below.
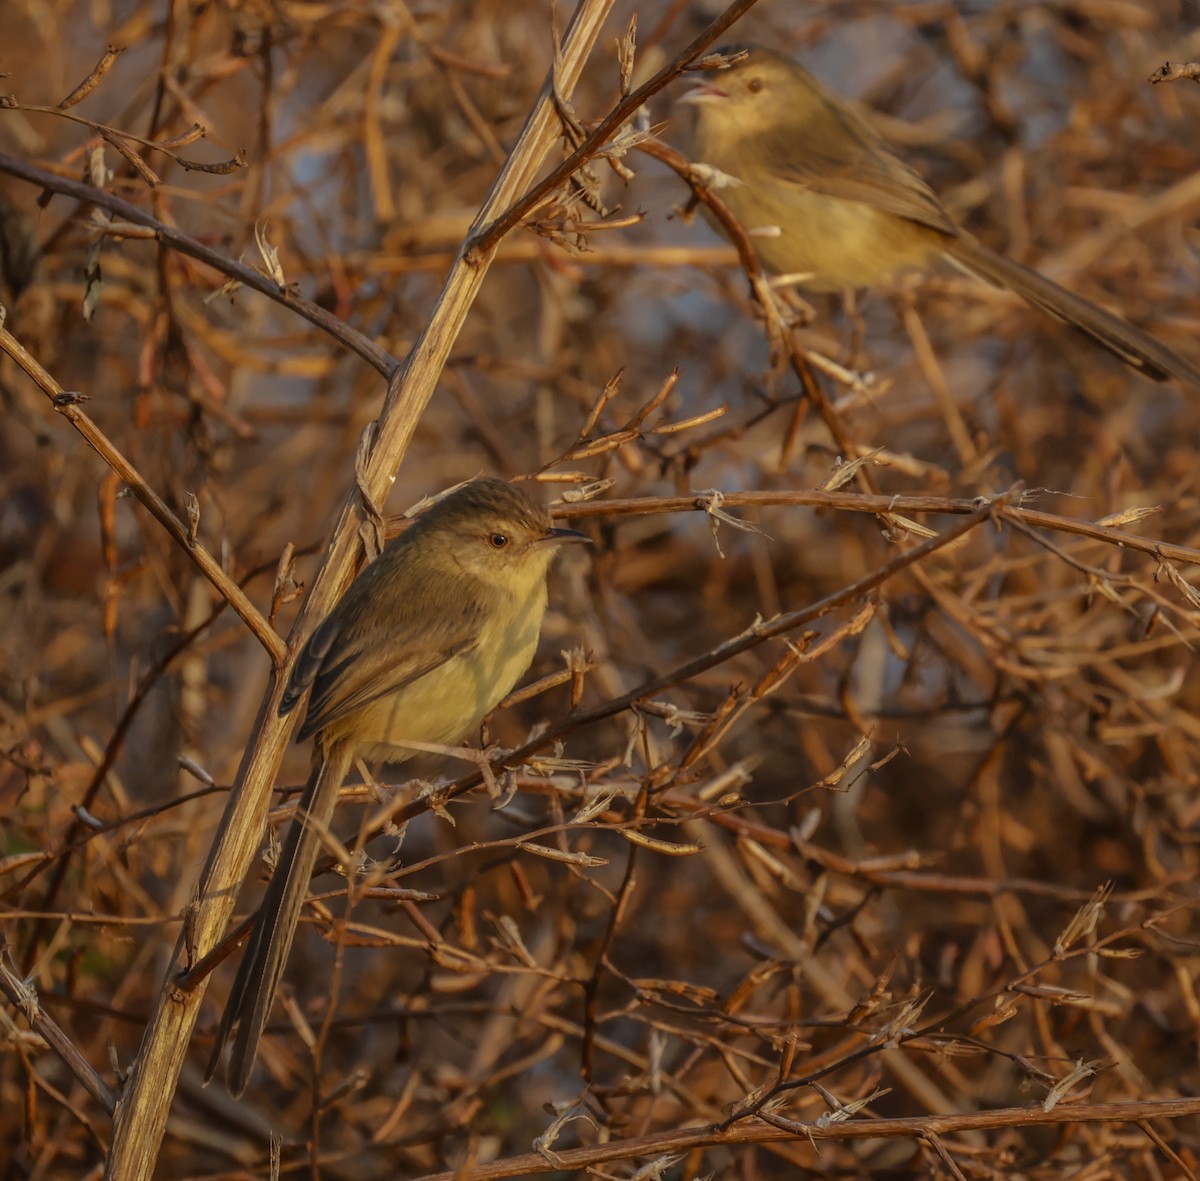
(756, 87)
(495, 531)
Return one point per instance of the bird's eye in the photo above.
(498, 540)
(754, 85)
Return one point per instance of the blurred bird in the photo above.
(422, 645)
(824, 198)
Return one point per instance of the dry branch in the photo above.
(662, 1143)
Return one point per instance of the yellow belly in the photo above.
(447, 704)
(841, 244)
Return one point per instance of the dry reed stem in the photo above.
(145, 1102)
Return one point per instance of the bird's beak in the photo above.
(703, 92)
(565, 537)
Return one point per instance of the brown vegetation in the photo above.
(851, 830)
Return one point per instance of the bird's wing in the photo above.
(840, 155)
(356, 675)
(392, 627)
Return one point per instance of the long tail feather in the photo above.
(1119, 337)
(266, 953)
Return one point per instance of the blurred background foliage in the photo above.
(948, 771)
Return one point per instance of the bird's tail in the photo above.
(1133, 346)
(266, 953)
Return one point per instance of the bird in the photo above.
(824, 198)
(426, 640)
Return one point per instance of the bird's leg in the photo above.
(856, 328)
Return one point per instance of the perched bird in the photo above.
(428, 638)
(824, 198)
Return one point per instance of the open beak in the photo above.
(703, 92)
(565, 537)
